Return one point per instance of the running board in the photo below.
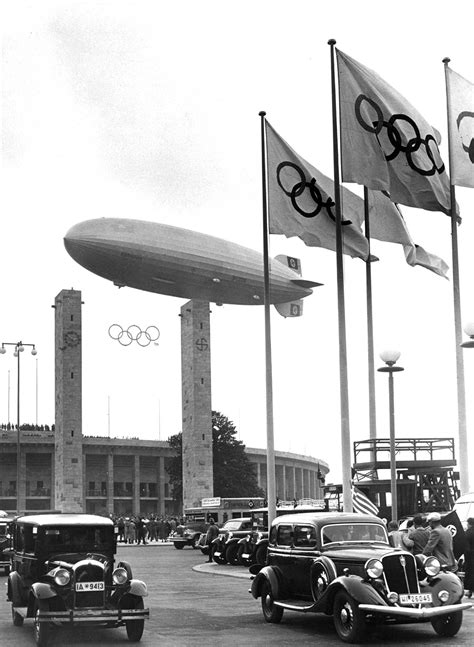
(294, 605)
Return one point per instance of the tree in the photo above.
(234, 474)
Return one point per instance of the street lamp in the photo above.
(390, 357)
(469, 330)
(19, 348)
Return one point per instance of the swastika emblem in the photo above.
(201, 344)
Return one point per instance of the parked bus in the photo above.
(221, 509)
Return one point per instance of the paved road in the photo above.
(192, 605)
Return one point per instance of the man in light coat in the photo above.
(440, 543)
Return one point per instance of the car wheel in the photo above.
(448, 625)
(218, 559)
(40, 629)
(195, 543)
(16, 618)
(271, 613)
(261, 555)
(179, 546)
(348, 619)
(135, 627)
(232, 554)
(322, 573)
(242, 549)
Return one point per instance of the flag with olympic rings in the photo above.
(461, 129)
(386, 144)
(301, 202)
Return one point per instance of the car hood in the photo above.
(359, 552)
(70, 559)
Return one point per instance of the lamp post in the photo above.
(19, 347)
(390, 357)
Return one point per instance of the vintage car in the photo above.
(190, 536)
(5, 543)
(63, 572)
(225, 546)
(342, 564)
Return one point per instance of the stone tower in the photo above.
(68, 486)
(196, 395)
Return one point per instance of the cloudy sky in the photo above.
(150, 110)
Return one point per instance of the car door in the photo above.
(304, 552)
(284, 557)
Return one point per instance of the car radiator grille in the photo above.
(90, 573)
(400, 573)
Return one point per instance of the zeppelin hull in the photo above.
(178, 262)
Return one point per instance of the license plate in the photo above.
(245, 555)
(217, 553)
(415, 598)
(89, 586)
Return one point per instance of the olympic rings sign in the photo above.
(298, 189)
(403, 136)
(134, 333)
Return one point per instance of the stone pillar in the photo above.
(136, 485)
(161, 485)
(196, 403)
(110, 483)
(68, 482)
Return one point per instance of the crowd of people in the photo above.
(432, 538)
(143, 530)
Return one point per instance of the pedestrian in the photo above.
(419, 535)
(211, 534)
(152, 529)
(394, 535)
(162, 530)
(440, 543)
(469, 558)
(121, 528)
(132, 535)
(141, 530)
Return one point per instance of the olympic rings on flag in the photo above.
(299, 188)
(134, 333)
(401, 142)
(469, 149)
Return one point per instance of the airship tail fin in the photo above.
(290, 309)
(291, 262)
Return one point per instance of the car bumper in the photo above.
(423, 613)
(94, 615)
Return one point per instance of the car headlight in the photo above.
(62, 577)
(119, 576)
(374, 568)
(432, 566)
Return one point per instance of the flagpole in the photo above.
(370, 325)
(461, 391)
(271, 489)
(343, 379)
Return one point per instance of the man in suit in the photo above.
(440, 543)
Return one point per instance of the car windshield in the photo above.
(80, 539)
(353, 532)
(233, 525)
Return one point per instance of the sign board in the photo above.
(211, 502)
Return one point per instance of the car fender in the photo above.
(243, 540)
(14, 588)
(322, 573)
(360, 590)
(267, 574)
(139, 588)
(231, 542)
(43, 591)
(262, 542)
(444, 581)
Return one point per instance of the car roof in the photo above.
(241, 519)
(65, 519)
(329, 517)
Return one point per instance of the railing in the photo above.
(417, 448)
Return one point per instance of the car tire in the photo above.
(349, 620)
(195, 543)
(232, 554)
(323, 572)
(261, 555)
(271, 613)
(40, 629)
(135, 628)
(218, 560)
(179, 546)
(242, 549)
(17, 619)
(448, 625)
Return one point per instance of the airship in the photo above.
(182, 263)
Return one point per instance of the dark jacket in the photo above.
(440, 545)
(211, 534)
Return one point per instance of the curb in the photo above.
(212, 568)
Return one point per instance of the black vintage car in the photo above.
(342, 564)
(190, 537)
(225, 546)
(5, 543)
(63, 572)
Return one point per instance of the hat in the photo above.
(433, 516)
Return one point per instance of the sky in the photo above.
(150, 111)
